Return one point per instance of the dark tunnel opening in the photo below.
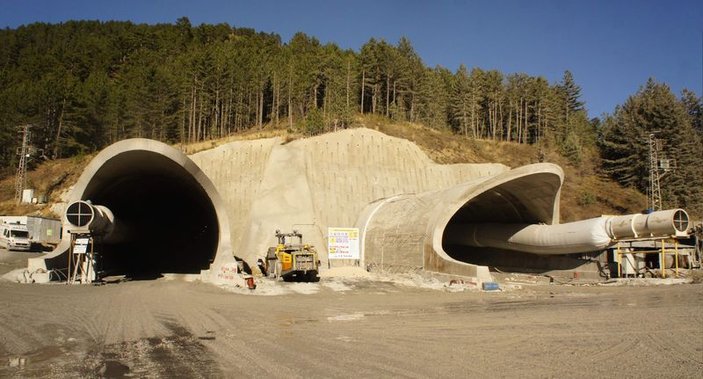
(494, 206)
(525, 200)
(167, 222)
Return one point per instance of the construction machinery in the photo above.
(291, 259)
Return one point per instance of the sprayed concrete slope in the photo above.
(315, 183)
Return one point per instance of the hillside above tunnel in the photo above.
(586, 192)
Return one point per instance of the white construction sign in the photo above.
(80, 246)
(343, 243)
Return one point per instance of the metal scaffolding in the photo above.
(23, 152)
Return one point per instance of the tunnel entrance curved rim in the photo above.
(453, 206)
(223, 251)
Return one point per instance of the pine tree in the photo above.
(623, 142)
(433, 97)
(493, 89)
(694, 109)
(572, 94)
(305, 74)
(461, 101)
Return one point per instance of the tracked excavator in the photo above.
(292, 260)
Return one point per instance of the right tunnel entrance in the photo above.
(529, 199)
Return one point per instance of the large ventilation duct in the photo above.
(574, 237)
(156, 209)
(668, 223)
(84, 217)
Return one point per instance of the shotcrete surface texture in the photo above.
(315, 183)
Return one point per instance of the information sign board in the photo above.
(81, 246)
(343, 243)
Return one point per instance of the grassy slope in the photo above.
(52, 177)
(585, 193)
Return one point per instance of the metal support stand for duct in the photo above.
(81, 259)
(87, 223)
(661, 252)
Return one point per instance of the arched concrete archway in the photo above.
(172, 217)
(409, 231)
(528, 194)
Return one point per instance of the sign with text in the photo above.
(343, 243)
(81, 246)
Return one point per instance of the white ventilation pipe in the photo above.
(84, 217)
(668, 223)
(574, 237)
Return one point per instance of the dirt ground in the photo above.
(349, 327)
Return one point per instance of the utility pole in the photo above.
(23, 152)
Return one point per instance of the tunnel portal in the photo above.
(530, 199)
(167, 222)
(166, 215)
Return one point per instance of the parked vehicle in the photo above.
(44, 233)
(291, 259)
(14, 237)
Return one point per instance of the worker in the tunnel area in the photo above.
(262, 266)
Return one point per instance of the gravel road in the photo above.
(359, 327)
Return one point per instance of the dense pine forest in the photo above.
(85, 84)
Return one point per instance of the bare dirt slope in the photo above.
(173, 328)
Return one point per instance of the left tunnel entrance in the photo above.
(168, 223)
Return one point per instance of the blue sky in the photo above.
(611, 47)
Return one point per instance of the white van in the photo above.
(14, 237)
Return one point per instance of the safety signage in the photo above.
(80, 246)
(343, 243)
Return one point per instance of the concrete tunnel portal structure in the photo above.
(430, 222)
(168, 215)
(180, 214)
(529, 195)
